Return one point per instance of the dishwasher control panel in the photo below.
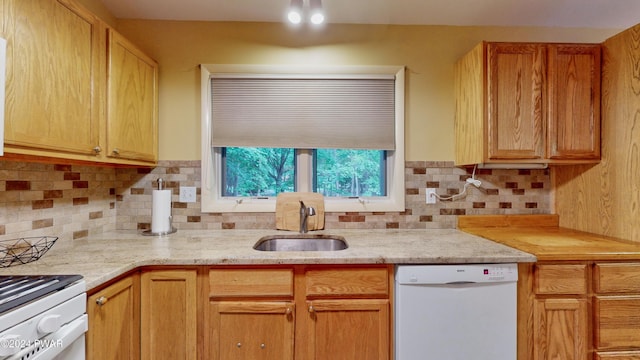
(463, 273)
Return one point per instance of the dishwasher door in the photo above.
(456, 312)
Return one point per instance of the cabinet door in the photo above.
(132, 119)
(516, 78)
(348, 329)
(574, 102)
(257, 330)
(168, 319)
(114, 321)
(53, 71)
(560, 329)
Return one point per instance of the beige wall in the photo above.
(428, 52)
(98, 8)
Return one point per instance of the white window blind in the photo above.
(303, 112)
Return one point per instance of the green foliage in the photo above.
(258, 171)
(269, 171)
(348, 172)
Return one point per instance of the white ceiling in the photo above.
(616, 14)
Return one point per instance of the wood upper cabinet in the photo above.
(574, 73)
(169, 319)
(114, 321)
(75, 89)
(528, 103)
(54, 60)
(132, 119)
(516, 101)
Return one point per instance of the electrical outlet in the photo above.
(431, 196)
(187, 194)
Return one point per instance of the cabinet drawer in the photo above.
(561, 279)
(618, 355)
(617, 278)
(251, 282)
(354, 282)
(617, 322)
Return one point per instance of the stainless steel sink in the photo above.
(301, 242)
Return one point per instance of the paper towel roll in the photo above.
(161, 211)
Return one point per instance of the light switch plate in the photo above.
(187, 194)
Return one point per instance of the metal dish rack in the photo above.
(24, 250)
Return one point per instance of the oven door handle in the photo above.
(53, 344)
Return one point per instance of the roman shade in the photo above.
(303, 111)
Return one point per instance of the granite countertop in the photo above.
(103, 257)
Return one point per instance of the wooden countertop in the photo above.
(541, 236)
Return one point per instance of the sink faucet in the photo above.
(305, 212)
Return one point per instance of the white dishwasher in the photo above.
(456, 312)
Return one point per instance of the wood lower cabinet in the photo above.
(252, 330)
(348, 329)
(252, 313)
(561, 329)
(347, 313)
(553, 311)
(300, 312)
(168, 299)
(579, 310)
(617, 310)
(114, 321)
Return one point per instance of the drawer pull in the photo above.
(101, 300)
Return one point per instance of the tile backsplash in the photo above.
(73, 201)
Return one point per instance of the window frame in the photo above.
(211, 167)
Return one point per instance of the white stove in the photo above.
(42, 317)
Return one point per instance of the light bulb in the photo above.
(294, 17)
(317, 18)
(295, 11)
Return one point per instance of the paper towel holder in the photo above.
(172, 229)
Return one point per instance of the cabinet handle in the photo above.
(287, 311)
(262, 346)
(97, 149)
(101, 300)
(116, 151)
(239, 345)
(311, 308)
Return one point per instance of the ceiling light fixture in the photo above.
(317, 14)
(295, 12)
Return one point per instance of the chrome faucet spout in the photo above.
(305, 212)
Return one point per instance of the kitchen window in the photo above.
(338, 131)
